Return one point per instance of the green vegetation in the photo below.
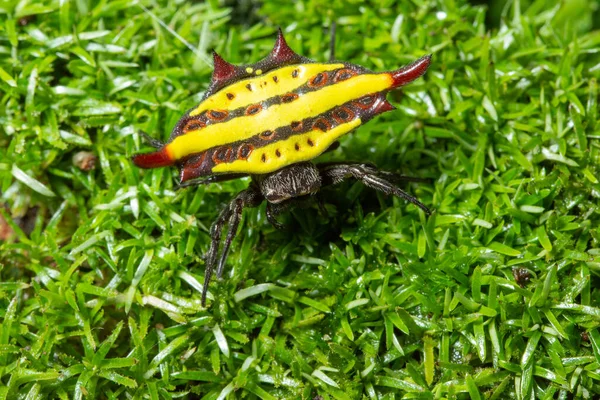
(100, 269)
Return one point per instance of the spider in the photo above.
(269, 121)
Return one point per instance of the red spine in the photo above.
(159, 158)
(410, 72)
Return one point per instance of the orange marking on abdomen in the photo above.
(267, 135)
(244, 151)
(193, 125)
(217, 115)
(343, 114)
(343, 74)
(289, 97)
(222, 155)
(318, 80)
(322, 124)
(253, 109)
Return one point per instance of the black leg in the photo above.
(321, 205)
(390, 176)
(234, 222)
(394, 177)
(333, 173)
(332, 43)
(157, 144)
(210, 179)
(232, 215)
(273, 210)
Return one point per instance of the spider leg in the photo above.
(210, 179)
(234, 222)
(321, 205)
(394, 177)
(157, 144)
(334, 173)
(273, 210)
(231, 215)
(391, 176)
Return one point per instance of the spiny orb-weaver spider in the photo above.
(268, 121)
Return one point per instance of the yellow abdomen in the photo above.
(283, 110)
(284, 124)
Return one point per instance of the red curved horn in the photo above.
(159, 158)
(410, 72)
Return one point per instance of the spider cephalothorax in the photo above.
(269, 120)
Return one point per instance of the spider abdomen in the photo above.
(283, 110)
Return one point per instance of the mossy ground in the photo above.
(100, 269)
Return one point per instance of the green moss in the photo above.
(100, 269)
